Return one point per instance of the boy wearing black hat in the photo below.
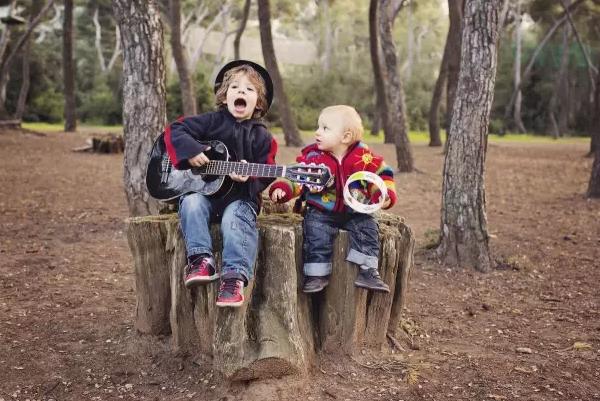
(244, 92)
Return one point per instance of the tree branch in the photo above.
(591, 69)
(117, 50)
(571, 8)
(98, 40)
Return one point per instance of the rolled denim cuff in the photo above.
(199, 250)
(364, 261)
(238, 274)
(317, 269)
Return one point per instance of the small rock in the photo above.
(524, 350)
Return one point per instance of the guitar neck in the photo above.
(221, 167)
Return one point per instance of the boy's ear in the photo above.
(347, 137)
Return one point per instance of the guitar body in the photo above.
(166, 183)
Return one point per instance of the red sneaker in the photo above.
(231, 293)
(201, 271)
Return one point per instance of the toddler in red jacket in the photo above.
(338, 145)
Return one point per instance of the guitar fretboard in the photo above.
(221, 167)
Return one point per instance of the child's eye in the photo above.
(250, 89)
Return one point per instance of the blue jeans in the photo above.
(320, 229)
(238, 227)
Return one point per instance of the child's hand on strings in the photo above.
(239, 178)
(278, 195)
(199, 160)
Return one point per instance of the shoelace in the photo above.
(372, 273)
(194, 267)
(229, 285)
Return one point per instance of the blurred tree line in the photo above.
(556, 93)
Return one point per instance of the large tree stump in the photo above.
(279, 330)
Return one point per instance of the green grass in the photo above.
(418, 137)
(421, 137)
(85, 128)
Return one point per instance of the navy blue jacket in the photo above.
(248, 140)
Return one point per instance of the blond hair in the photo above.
(256, 80)
(351, 120)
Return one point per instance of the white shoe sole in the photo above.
(201, 280)
(230, 304)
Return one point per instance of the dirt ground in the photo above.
(529, 330)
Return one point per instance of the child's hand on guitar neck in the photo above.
(199, 160)
(239, 178)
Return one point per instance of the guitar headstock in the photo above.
(314, 176)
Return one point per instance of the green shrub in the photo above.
(47, 106)
(100, 106)
(204, 96)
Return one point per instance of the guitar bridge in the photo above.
(166, 167)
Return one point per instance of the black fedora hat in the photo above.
(259, 68)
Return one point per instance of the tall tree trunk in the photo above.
(378, 73)
(5, 38)
(25, 82)
(326, 35)
(595, 120)
(436, 98)
(69, 70)
(240, 31)
(7, 60)
(290, 131)
(144, 95)
(410, 42)
(594, 185)
(464, 237)
(186, 83)
(563, 84)
(556, 107)
(517, 71)
(395, 94)
(455, 8)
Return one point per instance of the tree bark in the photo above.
(563, 84)
(559, 100)
(517, 71)
(279, 330)
(436, 98)
(464, 237)
(455, 8)
(290, 131)
(144, 104)
(186, 83)
(378, 73)
(595, 121)
(594, 184)
(395, 92)
(69, 69)
(25, 82)
(6, 62)
(5, 38)
(240, 31)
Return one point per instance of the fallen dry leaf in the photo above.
(581, 345)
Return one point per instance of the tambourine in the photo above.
(358, 202)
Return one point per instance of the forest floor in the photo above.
(528, 330)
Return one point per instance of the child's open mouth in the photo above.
(239, 105)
